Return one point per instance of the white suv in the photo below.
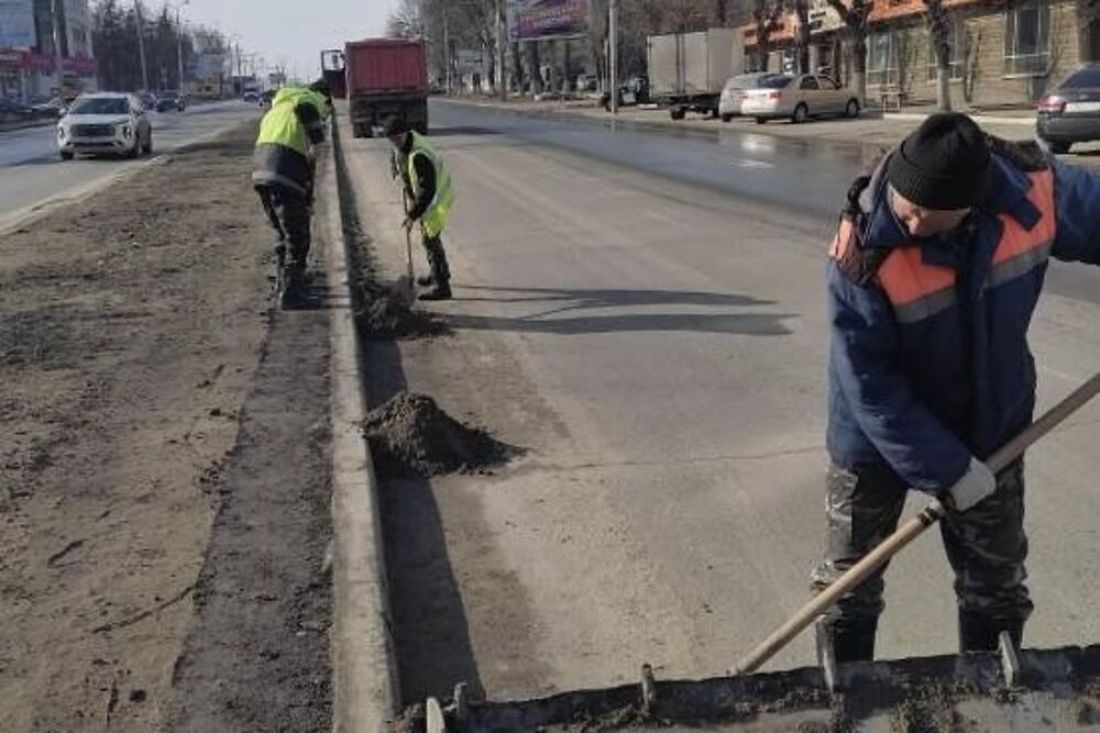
(105, 123)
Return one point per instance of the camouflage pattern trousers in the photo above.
(986, 546)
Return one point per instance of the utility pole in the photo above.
(179, 44)
(613, 35)
(502, 77)
(141, 48)
(57, 49)
(447, 48)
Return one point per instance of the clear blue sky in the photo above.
(292, 32)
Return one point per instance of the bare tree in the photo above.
(765, 16)
(855, 19)
(407, 21)
(1088, 15)
(802, 39)
(940, 30)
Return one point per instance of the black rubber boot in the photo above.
(981, 633)
(852, 641)
(425, 280)
(441, 273)
(294, 284)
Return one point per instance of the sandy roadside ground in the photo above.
(144, 374)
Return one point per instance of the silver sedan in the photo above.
(798, 98)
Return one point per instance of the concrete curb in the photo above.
(365, 685)
(979, 118)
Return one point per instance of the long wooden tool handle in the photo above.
(408, 241)
(909, 531)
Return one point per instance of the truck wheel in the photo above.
(761, 120)
(727, 118)
(677, 113)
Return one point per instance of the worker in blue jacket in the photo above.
(933, 278)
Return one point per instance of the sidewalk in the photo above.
(872, 130)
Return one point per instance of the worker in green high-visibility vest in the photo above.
(431, 197)
(283, 172)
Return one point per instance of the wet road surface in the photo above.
(644, 313)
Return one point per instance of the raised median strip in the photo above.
(365, 686)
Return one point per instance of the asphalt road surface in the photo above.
(31, 171)
(644, 314)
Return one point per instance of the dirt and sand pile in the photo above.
(387, 314)
(411, 437)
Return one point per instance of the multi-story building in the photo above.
(28, 61)
(1003, 52)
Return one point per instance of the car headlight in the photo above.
(126, 130)
(62, 132)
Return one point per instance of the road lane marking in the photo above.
(750, 163)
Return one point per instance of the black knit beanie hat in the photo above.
(943, 165)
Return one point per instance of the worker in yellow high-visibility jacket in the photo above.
(283, 170)
(431, 193)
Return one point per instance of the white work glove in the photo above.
(976, 484)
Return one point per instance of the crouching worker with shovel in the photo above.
(428, 187)
(933, 279)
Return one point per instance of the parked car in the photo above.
(170, 102)
(105, 123)
(587, 83)
(634, 90)
(733, 94)
(251, 96)
(1071, 113)
(798, 98)
(12, 111)
(48, 109)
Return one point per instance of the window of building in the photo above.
(956, 41)
(1027, 40)
(882, 59)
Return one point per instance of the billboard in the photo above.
(17, 24)
(532, 19)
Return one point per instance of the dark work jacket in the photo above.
(425, 172)
(929, 360)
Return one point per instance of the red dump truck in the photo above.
(385, 78)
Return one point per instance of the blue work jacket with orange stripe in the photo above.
(929, 360)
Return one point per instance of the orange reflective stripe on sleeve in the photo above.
(917, 290)
(1021, 250)
(843, 239)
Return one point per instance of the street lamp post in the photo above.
(57, 49)
(179, 44)
(141, 47)
(613, 35)
(502, 57)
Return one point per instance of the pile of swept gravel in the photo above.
(386, 313)
(410, 437)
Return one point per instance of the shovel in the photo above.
(408, 249)
(1009, 453)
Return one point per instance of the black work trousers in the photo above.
(986, 547)
(289, 213)
(437, 260)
